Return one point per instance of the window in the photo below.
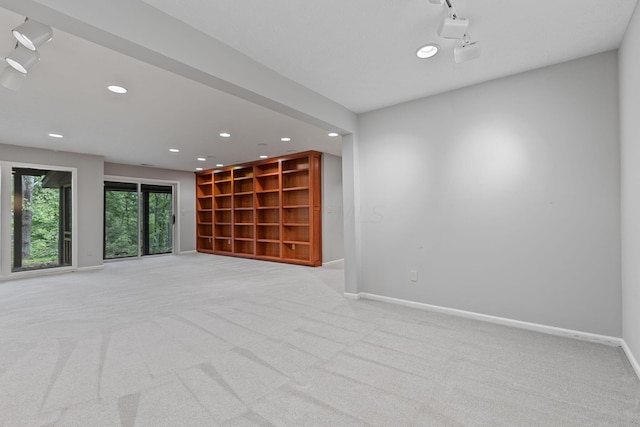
(41, 220)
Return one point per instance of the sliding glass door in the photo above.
(157, 219)
(138, 219)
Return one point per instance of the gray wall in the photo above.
(503, 196)
(332, 224)
(186, 203)
(630, 147)
(89, 191)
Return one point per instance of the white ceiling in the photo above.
(358, 53)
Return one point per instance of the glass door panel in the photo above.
(157, 219)
(120, 220)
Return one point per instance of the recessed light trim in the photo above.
(174, 150)
(117, 89)
(333, 134)
(198, 169)
(264, 157)
(202, 159)
(219, 165)
(225, 134)
(285, 139)
(56, 135)
(427, 51)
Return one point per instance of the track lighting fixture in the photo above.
(12, 79)
(455, 27)
(467, 51)
(32, 34)
(22, 59)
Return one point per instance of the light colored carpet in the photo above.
(200, 340)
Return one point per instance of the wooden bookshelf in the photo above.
(204, 209)
(268, 210)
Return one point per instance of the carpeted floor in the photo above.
(199, 340)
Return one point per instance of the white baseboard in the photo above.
(91, 268)
(351, 296)
(187, 252)
(333, 262)
(584, 336)
(631, 357)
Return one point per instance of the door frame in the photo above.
(6, 193)
(175, 196)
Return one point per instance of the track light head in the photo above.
(11, 79)
(466, 52)
(22, 59)
(453, 28)
(32, 34)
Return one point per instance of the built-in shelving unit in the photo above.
(269, 210)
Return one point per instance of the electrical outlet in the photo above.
(413, 274)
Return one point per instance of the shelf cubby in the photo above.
(223, 217)
(270, 168)
(268, 232)
(204, 216)
(243, 247)
(222, 202)
(295, 251)
(268, 215)
(268, 249)
(243, 231)
(296, 233)
(295, 216)
(222, 244)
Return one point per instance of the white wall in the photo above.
(503, 196)
(332, 224)
(630, 154)
(187, 196)
(90, 199)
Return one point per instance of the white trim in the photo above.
(28, 274)
(91, 268)
(631, 357)
(352, 296)
(333, 262)
(552, 330)
(187, 252)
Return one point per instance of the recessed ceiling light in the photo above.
(219, 165)
(225, 134)
(202, 159)
(55, 135)
(285, 139)
(264, 157)
(198, 169)
(333, 134)
(117, 89)
(174, 150)
(427, 51)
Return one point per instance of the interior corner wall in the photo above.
(332, 223)
(187, 198)
(630, 156)
(89, 193)
(504, 196)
